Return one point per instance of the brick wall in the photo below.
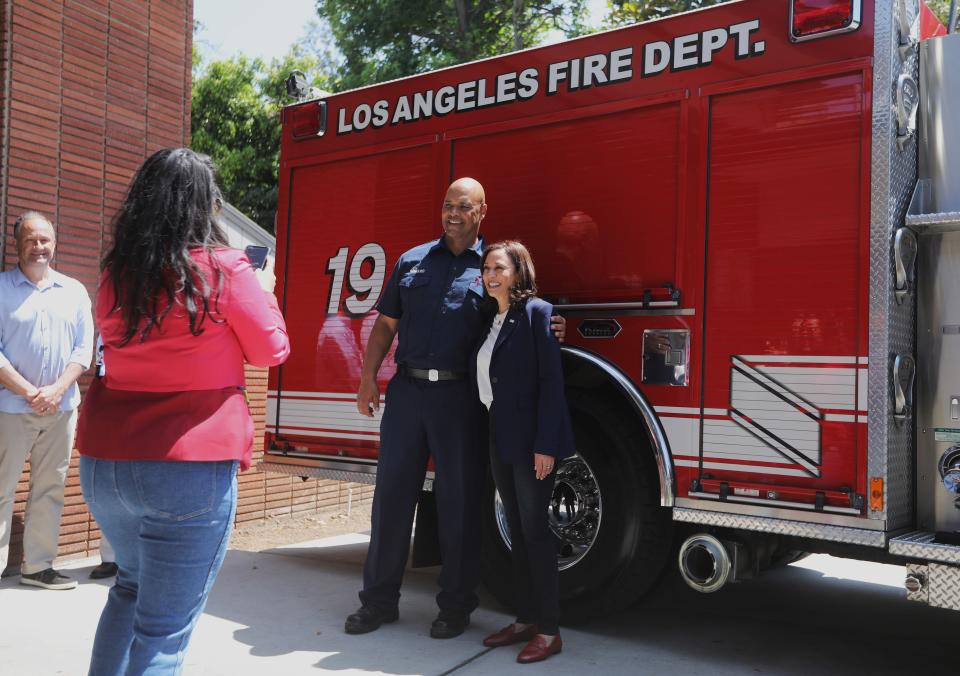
(5, 34)
(88, 89)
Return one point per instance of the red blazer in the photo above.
(176, 396)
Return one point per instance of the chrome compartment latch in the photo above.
(904, 257)
(904, 370)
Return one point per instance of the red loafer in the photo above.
(507, 636)
(539, 649)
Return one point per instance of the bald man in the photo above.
(433, 302)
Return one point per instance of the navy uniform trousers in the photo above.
(420, 419)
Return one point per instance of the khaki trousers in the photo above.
(48, 440)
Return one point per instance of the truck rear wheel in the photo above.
(612, 536)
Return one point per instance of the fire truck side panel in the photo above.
(586, 191)
(607, 184)
(888, 335)
(783, 288)
(893, 174)
(350, 220)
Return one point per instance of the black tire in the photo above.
(632, 542)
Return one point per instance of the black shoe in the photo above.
(104, 570)
(48, 579)
(449, 624)
(369, 618)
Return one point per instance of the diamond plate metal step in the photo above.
(920, 545)
(935, 584)
(922, 217)
(334, 470)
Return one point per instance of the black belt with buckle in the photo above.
(433, 375)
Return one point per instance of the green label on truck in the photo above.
(950, 434)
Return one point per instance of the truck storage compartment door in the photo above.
(595, 198)
(348, 222)
(785, 348)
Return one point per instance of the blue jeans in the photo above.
(169, 523)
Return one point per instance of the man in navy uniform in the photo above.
(433, 300)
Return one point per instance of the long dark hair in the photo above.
(525, 284)
(170, 208)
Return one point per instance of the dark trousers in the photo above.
(421, 419)
(525, 502)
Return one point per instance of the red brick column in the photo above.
(88, 89)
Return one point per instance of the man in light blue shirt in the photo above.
(46, 343)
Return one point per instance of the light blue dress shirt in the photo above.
(42, 329)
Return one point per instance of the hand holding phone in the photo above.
(265, 275)
(262, 263)
(258, 255)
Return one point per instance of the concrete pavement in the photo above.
(281, 612)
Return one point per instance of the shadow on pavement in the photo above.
(295, 599)
(789, 621)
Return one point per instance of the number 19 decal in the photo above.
(370, 284)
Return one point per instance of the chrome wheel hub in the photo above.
(574, 512)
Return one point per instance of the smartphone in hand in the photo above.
(257, 255)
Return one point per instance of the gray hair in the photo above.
(29, 216)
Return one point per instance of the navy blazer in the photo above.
(526, 375)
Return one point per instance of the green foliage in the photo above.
(385, 39)
(235, 119)
(625, 12)
(941, 8)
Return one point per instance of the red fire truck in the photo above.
(727, 206)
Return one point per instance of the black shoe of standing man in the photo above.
(449, 624)
(369, 618)
(48, 579)
(104, 570)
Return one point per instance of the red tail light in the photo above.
(307, 120)
(811, 19)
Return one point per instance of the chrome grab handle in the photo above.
(908, 102)
(908, 27)
(904, 257)
(904, 370)
(908, 93)
(323, 118)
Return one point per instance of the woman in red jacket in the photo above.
(164, 431)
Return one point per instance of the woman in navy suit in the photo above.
(520, 381)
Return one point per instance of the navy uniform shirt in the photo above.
(437, 298)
